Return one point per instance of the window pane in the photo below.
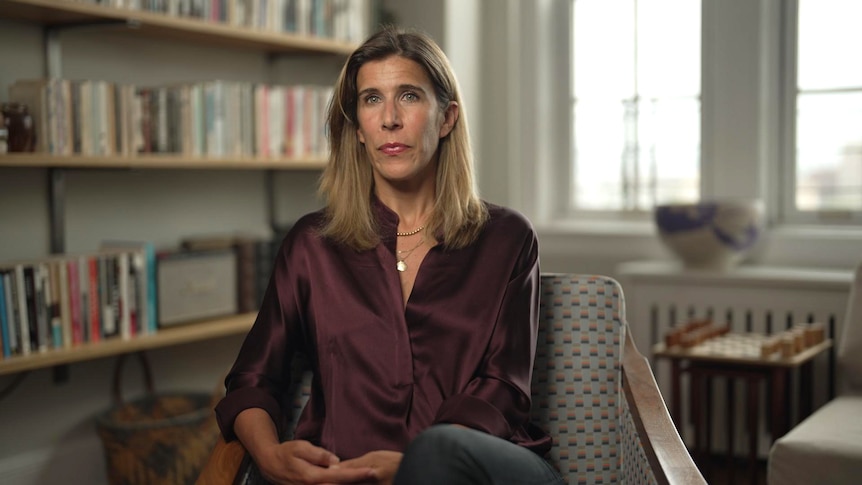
(636, 107)
(669, 133)
(668, 52)
(599, 135)
(829, 151)
(829, 43)
(604, 48)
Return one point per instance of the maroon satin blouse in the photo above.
(461, 352)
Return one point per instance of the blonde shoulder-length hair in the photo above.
(347, 182)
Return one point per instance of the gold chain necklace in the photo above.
(400, 264)
(410, 233)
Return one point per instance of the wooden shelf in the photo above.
(42, 160)
(191, 332)
(67, 12)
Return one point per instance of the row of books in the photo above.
(344, 20)
(63, 301)
(201, 119)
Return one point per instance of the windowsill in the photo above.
(644, 228)
(575, 242)
(818, 233)
(672, 271)
(616, 228)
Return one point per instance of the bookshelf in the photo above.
(41, 160)
(53, 15)
(181, 334)
(58, 13)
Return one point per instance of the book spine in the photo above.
(40, 296)
(88, 119)
(196, 108)
(12, 312)
(125, 313)
(120, 119)
(75, 302)
(4, 318)
(65, 310)
(111, 119)
(95, 309)
(77, 117)
(299, 126)
(84, 297)
(152, 304)
(162, 120)
(141, 268)
(247, 120)
(264, 260)
(134, 315)
(262, 118)
(290, 121)
(246, 280)
(52, 295)
(30, 307)
(112, 305)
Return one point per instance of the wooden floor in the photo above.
(718, 471)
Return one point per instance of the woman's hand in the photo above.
(295, 462)
(302, 463)
(383, 465)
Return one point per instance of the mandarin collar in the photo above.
(387, 219)
(387, 222)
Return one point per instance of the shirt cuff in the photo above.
(238, 401)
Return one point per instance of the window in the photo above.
(635, 104)
(824, 126)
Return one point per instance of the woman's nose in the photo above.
(391, 117)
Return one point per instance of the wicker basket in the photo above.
(157, 439)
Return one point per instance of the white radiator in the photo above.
(660, 295)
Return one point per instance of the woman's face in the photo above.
(400, 121)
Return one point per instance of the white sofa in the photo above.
(826, 448)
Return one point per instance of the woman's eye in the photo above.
(410, 97)
(373, 98)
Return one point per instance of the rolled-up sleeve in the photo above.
(259, 375)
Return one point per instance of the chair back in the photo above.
(577, 375)
(577, 382)
(849, 357)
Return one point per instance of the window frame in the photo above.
(635, 99)
(787, 212)
(524, 130)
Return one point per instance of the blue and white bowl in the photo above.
(711, 234)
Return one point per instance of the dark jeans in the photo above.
(452, 455)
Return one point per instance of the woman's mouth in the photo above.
(392, 148)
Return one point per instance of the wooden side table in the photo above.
(737, 356)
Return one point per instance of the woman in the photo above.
(415, 302)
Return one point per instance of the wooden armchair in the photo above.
(592, 390)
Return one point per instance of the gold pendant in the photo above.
(401, 266)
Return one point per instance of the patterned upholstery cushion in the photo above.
(577, 384)
(576, 378)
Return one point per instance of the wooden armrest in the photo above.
(667, 454)
(223, 464)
